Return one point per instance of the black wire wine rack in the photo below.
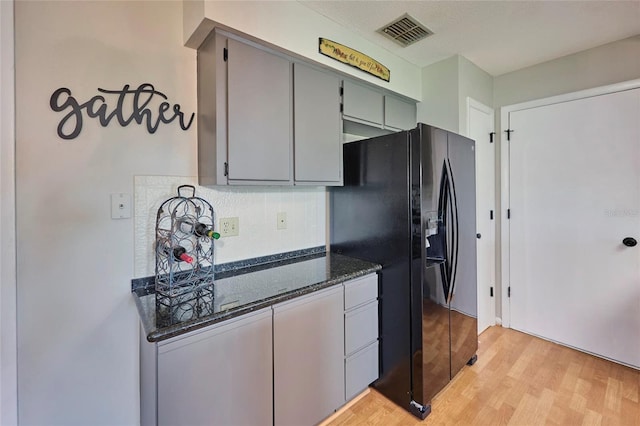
(184, 258)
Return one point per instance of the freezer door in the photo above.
(463, 291)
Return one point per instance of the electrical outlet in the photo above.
(281, 220)
(229, 226)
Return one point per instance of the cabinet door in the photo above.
(308, 336)
(317, 127)
(219, 376)
(398, 113)
(362, 103)
(259, 114)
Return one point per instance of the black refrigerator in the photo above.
(408, 203)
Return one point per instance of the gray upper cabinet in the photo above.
(259, 108)
(317, 126)
(363, 104)
(248, 100)
(370, 111)
(398, 113)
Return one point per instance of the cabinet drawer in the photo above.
(361, 369)
(360, 291)
(360, 327)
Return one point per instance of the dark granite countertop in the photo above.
(247, 289)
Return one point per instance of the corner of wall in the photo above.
(439, 106)
(474, 83)
(195, 27)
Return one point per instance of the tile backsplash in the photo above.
(256, 207)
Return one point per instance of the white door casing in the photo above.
(480, 125)
(574, 193)
(8, 325)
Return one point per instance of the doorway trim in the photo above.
(505, 178)
(472, 103)
(8, 286)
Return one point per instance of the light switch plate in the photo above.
(120, 206)
(281, 220)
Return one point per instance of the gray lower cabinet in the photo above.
(292, 364)
(221, 375)
(317, 127)
(308, 337)
(361, 334)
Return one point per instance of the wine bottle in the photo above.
(202, 230)
(199, 229)
(179, 253)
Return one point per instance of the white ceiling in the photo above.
(497, 36)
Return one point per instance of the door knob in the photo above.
(629, 242)
(478, 236)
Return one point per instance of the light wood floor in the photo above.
(520, 380)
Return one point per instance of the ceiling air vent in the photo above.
(405, 30)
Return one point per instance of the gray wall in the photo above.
(77, 323)
(607, 64)
(445, 88)
(439, 106)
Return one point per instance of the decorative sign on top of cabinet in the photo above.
(256, 108)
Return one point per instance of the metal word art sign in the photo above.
(97, 107)
(354, 58)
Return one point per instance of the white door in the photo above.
(574, 197)
(480, 126)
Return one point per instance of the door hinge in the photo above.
(341, 91)
(508, 132)
(508, 213)
(490, 214)
(341, 108)
(226, 168)
(491, 291)
(508, 291)
(225, 54)
(491, 135)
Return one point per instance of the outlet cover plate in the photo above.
(229, 226)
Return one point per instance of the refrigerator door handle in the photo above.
(443, 212)
(454, 232)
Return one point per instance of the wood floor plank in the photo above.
(519, 380)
